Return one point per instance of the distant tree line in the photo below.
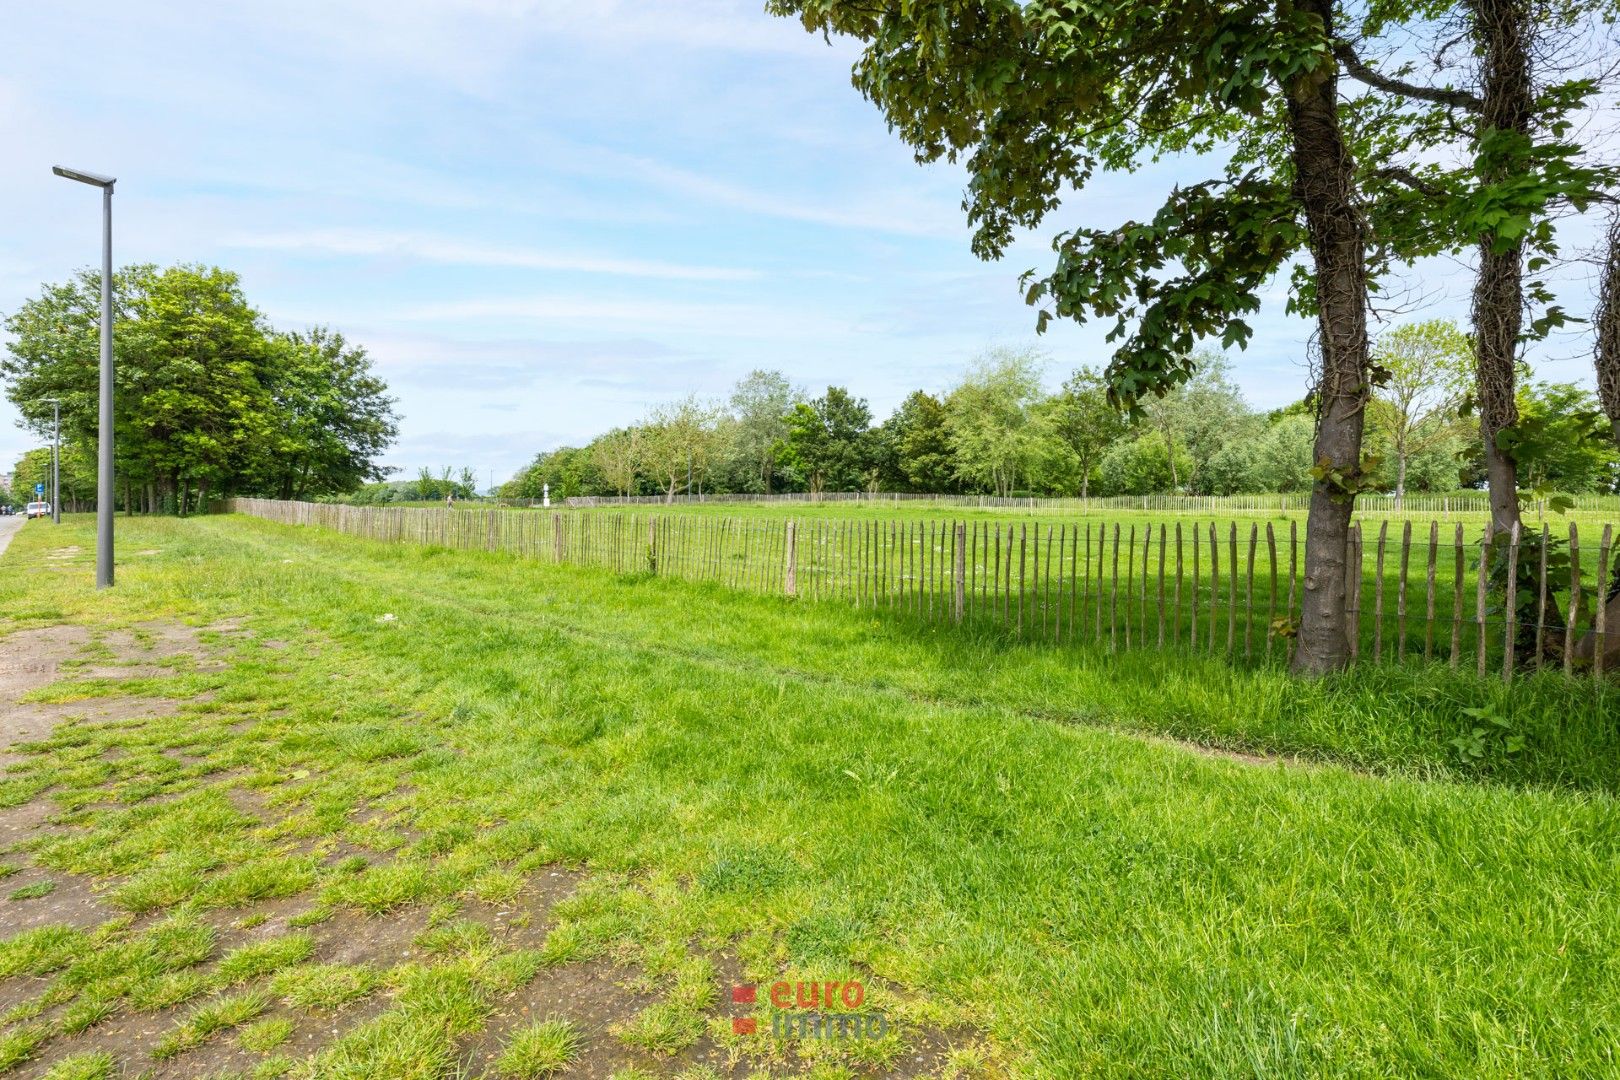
(426, 486)
(998, 431)
(212, 401)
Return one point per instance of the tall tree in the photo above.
(1041, 95)
(1087, 422)
(990, 418)
(1486, 153)
(827, 440)
(332, 416)
(760, 402)
(920, 442)
(678, 443)
(1426, 372)
(210, 399)
(1199, 417)
(618, 458)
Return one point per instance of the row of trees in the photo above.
(1349, 142)
(211, 400)
(426, 486)
(998, 431)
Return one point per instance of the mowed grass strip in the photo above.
(865, 791)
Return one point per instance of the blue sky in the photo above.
(543, 217)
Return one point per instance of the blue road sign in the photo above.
(39, 489)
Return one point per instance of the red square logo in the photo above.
(742, 995)
(742, 1025)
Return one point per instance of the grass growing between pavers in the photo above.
(818, 792)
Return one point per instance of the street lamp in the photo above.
(56, 460)
(104, 436)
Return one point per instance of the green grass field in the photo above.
(1232, 586)
(1049, 862)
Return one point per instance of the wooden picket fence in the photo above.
(1425, 593)
(1445, 507)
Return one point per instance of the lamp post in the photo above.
(56, 460)
(104, 434)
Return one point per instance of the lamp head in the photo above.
(93, 179)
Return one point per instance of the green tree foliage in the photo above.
(760, 403)
(1197, 419)
(427, 486)
(828, 443)
(78, 477)
(617, 457)
(1425, 370)
(918, 445)
(568, 470)
(1038, 96)
(1086, 422)
(680, 442)
(330, 419)
(991, 418)
(1567, 446)
(1141, 466)
(210, 400)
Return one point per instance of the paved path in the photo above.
(8, 529)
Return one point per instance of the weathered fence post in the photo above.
(1357, 568)
(1600, 624)
(1479, 598)
(790, 561)
(1510, 633)
(959, 574)
(652, 543)
(1574, 598)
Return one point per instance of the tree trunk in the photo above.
(1324, 184)
(1607, 322)
(1400, 478)
(1500, 28)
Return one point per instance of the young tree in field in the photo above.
(1040, 95)
(990, 419)
(1086, 422)
(827, 440)
(678, 443)
(617, 456)
(1426, 372)
(760, 403)
(1200, 416)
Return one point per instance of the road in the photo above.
(8, 529)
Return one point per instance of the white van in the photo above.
(39, 509)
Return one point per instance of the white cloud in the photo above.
(633, 315)
(435, 249)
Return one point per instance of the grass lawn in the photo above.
(520, 777)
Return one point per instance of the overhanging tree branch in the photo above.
(1358, 69)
